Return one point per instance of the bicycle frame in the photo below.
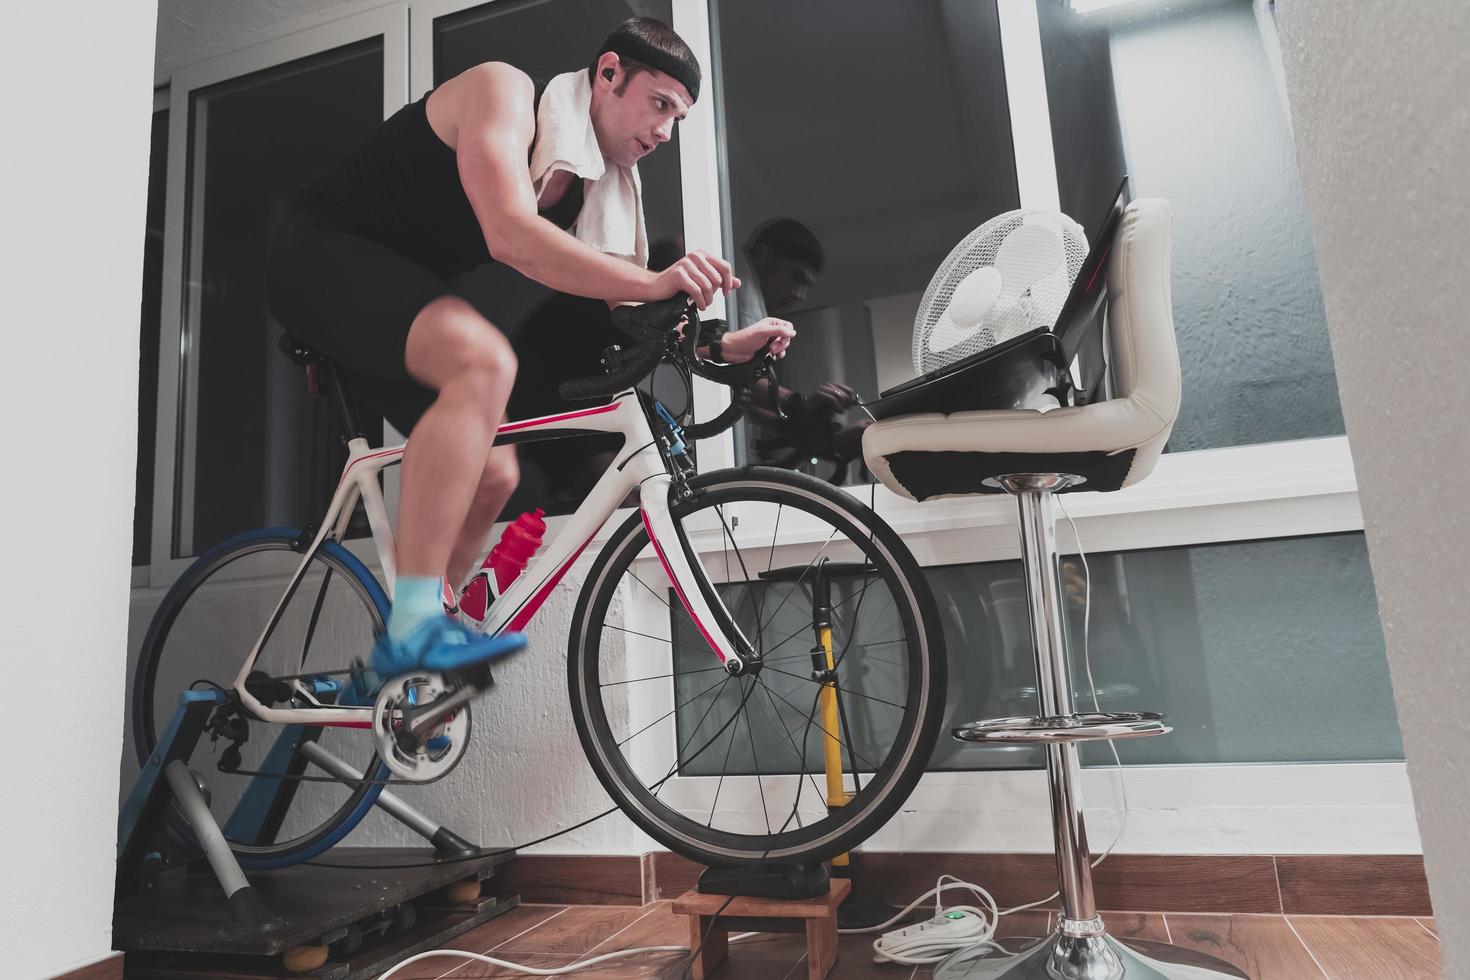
(641, 464)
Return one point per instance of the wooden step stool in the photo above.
(816, 916)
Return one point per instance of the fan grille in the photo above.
(1035, 284)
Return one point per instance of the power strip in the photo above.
(933, 939)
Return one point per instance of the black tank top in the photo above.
(401, 188)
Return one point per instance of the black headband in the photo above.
(637, 49)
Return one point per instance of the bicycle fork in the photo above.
(691, 583)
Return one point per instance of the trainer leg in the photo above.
(499, 480)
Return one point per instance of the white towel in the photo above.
(612, 205)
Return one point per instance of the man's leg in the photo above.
(454, 350)
(499, 480)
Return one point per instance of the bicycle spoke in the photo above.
(755, 597)
(800, 756)
(799, 579)
(659, 677)
(724, 767)
(900, 707)
(671, 712)
(846, 726)
(777, 694)
(791, 636)
(646, 586)
(658, 786)
(678, 757)
(756, 761)
(770, 558)
(624, 629)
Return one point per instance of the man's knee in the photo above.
(501, 476)
(452, 343)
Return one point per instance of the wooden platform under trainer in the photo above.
(711, 921)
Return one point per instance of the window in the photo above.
(883, 129)
(1256, 651)
(254, 449)
(1184, 98)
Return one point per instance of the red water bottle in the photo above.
(503, 565)
(519, 542)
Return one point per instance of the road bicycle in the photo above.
(697, 697)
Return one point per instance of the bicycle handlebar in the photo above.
(653, 327)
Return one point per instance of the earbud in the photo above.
(608, 74)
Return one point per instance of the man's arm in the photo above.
(495, 128)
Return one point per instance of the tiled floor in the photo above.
(1267, 947)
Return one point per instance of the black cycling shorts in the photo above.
(355, 299)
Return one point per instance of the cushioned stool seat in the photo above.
(1110, 444)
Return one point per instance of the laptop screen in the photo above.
(1079, 327)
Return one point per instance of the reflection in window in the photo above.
(1186, 98)
(1258, 651)
(255, 449)
(882, 128)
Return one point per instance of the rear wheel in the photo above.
(200, 636)
(726, 769)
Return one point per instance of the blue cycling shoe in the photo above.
(442, 645)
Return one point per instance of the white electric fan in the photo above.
(1005, 278)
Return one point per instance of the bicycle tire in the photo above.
(894, 778)
(143, 703)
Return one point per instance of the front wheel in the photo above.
(811, 751)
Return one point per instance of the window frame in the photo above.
(388, 22)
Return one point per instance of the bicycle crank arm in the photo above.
(420, 722)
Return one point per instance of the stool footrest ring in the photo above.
(1081, 727)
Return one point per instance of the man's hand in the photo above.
(834, 397)
(698, 274)
(739, 346)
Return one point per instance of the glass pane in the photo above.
(545, 38)
(883, 129)
(148, 337)
(255, 448)
(1215, 140)
(1257, 651)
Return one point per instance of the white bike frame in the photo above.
(640, 465)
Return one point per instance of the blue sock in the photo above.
(416, 599)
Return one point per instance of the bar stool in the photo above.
(1034, 455)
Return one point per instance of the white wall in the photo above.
(77, 79)
(1378, 103)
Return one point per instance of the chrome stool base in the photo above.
(1101, 957)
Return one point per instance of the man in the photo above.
(487, 167)
(781, 260)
